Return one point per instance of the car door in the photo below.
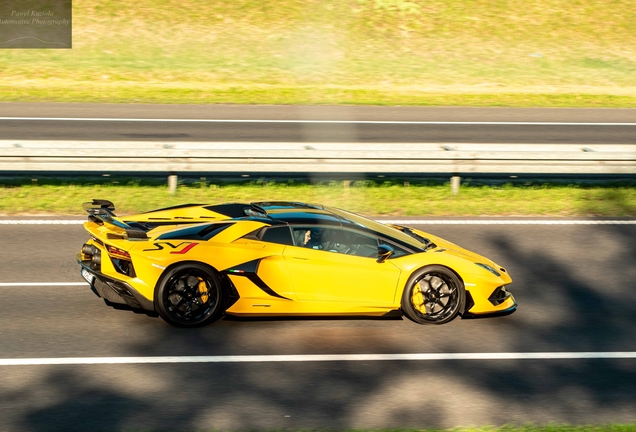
(339, 265)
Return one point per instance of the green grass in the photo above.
(392, 52)
(388, 199)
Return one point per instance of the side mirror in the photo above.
(384, 252)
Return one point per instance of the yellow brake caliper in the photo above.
(417, 298)
(203, 289)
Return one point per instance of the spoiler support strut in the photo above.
(104, 212)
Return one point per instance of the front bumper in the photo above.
(489, 302)
(113, 290)
(503, 312)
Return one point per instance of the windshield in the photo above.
(379, 228)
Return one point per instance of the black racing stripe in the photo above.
(263, 286)
(249, 270)
(250, 267)
(196, 232)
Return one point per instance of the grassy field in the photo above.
(397, 52)
(372, 200)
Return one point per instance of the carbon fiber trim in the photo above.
(127, 293)
(107, 293)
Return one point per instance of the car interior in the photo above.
(336, 240)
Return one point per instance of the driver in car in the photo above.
(307, 238)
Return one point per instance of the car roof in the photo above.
(307, 218)
(311, 214)
(298, 213)
(288, 205)
(307, 215)
(294, 216)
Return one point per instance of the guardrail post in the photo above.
(455, 184)
(172, 183)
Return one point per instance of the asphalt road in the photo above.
(243, 128)
(574, 285)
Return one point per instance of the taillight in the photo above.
(117, 253)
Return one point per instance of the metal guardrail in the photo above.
(183, 157)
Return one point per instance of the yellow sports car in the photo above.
(194, 263)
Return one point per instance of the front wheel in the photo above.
(433, 295)
(190, 295)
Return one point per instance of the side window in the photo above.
(309, 237)
(278, 234)
(338, 240)
(398, 251)
(360, 244)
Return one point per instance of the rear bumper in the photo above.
(115, 291)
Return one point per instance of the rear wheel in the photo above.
(433, 295)
(190, 295)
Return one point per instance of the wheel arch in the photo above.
(419, 269)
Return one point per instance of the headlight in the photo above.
(489, 268)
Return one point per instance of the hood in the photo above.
(444, 246)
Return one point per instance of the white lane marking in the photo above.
(41, 222)
(155, 120)
(396, 222)
(506, 222)
(41, 284)
(318, 358)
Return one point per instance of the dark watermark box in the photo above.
(36, 24)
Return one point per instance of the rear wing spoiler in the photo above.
(102, 212)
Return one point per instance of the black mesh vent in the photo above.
(499, 296)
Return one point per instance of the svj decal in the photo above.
(180, 249)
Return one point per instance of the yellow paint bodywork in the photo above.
(333, 277)
(194, 214)
(308, 281)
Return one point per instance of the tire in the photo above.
(433, 295)
(190, 295)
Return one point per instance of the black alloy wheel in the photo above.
(433, 295)
(190, 295)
